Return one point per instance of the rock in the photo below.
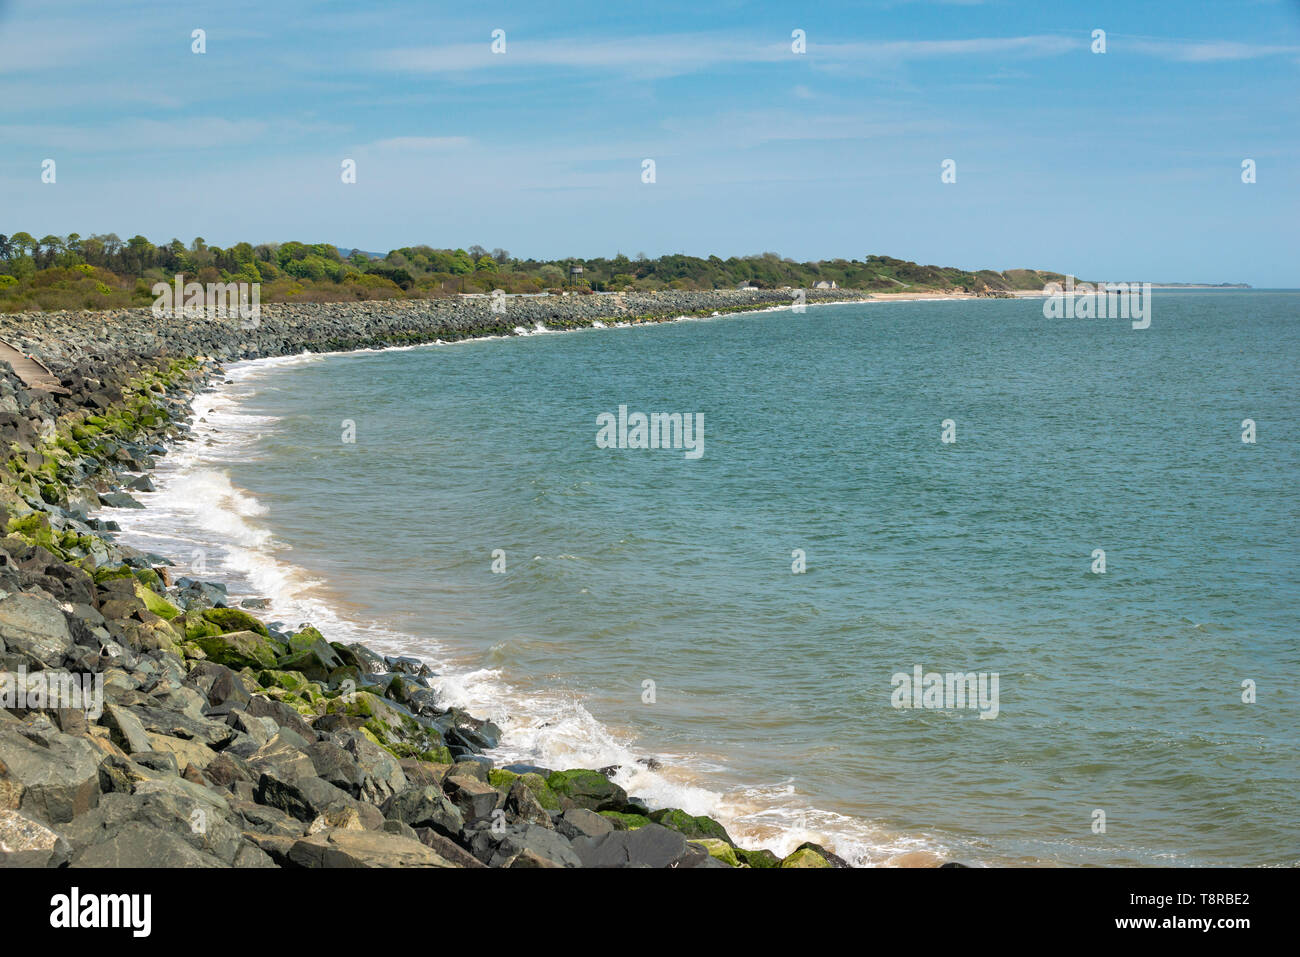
(118, 500)
(719, 850)
(35, 627)
(425, 807)
(25, 842)
(349, 848)
(341, 816)
(649, 846)
(589, 789)
(625, 822)
(337, 766)
(528, 769)
(471, 769)
(192, 814)
(831, 859)
(178, 724)
(234, 620)
(185, 753)
(758, 859)
(158, 761)
(381, 774)
(284, 716)
(474, 798)
(448, 848)
(805, 857)
(522, 804)
(139, 845)
(420, 773)
(499, 846)
(54, 783)
(367, 660)
(264, 819)
(238, 649)
(126, 730)
(690, 825)
(578, 822)
(316, 661)
(305, 798)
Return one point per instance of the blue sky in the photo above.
(1123, 165)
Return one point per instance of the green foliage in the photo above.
(103, 271)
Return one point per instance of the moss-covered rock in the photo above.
(806, 857)
(149, 579)
(692, 826)
(238, 649)
(156, 603)
(316, 660)
(625, 822)
(294, 681)
(196, 626)
(105, 573)
(232, 619)
(305, 638)
(589, 789)
(719, 850)
(546, 797)
(761, 858)
(34, 529)
(501, 779)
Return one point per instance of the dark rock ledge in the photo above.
(222, 741)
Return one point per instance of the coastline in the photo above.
(756, 813)
(388, 720)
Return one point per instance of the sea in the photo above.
(1090, 529)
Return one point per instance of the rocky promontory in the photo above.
(147, 722)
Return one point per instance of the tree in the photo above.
(53, 246)
(138, 255)
(23, 243)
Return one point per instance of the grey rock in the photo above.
(35, 627)
(650, 846)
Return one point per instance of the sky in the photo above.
(1123, 165)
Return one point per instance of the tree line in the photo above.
(103, 270)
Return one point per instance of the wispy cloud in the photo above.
(1203, 51)
(422, 144)
(676, 54)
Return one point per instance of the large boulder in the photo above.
(25, 842)
(239, 649)
(140, 845)
(500, 846)
(54, 781)
(36, 628)
(425, 807)
(337, 847)
(692, 826)
(476, 799)
(589, 789)
(650, 846)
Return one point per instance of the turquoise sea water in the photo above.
(1119, 692)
